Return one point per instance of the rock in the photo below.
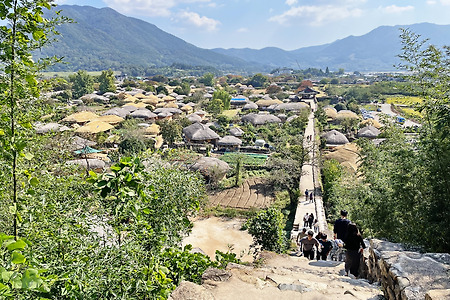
(292, 287)
(438, 295)
(215, 274)
(191, 291)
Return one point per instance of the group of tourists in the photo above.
(309, 195)
(346, 236)
(310, 222)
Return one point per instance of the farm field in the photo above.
(403, 100)
(252, 193)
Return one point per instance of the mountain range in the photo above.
(99, 39)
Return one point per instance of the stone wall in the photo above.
(406, 275)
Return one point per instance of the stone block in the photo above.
(215, 274)
(438, 294)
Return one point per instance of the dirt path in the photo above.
(220, 234)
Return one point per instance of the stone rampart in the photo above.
(407, 275)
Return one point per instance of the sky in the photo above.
(286, 24)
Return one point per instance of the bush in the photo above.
(267, 230)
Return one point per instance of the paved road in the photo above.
(386, 109)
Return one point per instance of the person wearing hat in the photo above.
(307, 245)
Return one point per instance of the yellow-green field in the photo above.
(411, 113)
(404, 100)
(231, 113)
(66, 74)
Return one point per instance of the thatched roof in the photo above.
(95, 127)
(236, 131)
(229, 140)
(200, 112)
(259, 119)
(152, 100)
(143, 114)
(168, 99)
(152, 129)
(291, 106)
(291, 118)
(164, 114)
(331, 112)
(117, 111)
(368, 132)
(334, 137)
(111, 119)
(211, 167)
(194, 118)
(346, 114)
(93, 163)
(77, 143)
(250, 105)
(200, 132)
(265, 103)
(371, 122)
(137, 105)
(130, 108)
(171, 105)
(80, 117)
(51, 127)
(167, 110)
(186, 108)
(347, 155)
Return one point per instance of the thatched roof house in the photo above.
(80, 117)
(236, 131)
(260, 119)
(331, 112)
(213, 169)
(173, 111)
(152, 129)
(250, 105)
(369, 132)
(346, 114)
(269, 102)
(143, 114)
(50, 127)
(194, 118)
(291, 106)
(198, 132)
(117, 111)
(94, 127)
(229, 140)
(111, 119)
(334, 138)
(371, 122)
(77, 143)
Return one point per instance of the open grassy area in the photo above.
(66, 74)
(402, 100)
(231, 113)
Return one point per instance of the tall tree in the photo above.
(82, 83)
(26, 31)
(106, 81)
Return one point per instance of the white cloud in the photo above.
(199, 21)
(148, 7)
(291, 2)
(394, 9)
(445, 2)
(431, 2)
(319, 15)
(243, 30)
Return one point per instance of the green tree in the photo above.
(207, 79)
(224, 96)
(183, 89)
(215, 106)
(258, 80)
(106, 81)
(82, 83)
(170, 131)
(267, 230)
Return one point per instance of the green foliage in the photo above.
(224, 96)
(258, 80)
(183, 89)
(267, 230)
(106, 81)
(82, 83)
(207, 79)
(170, 131)
(215, 106)
(162, 90)
(132, 146)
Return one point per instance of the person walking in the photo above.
(306, 195)
(300, 235)
(355, 246)
(311, 220)
(307, 245)
(311, 195)
(340, 226)
(325, 247)
(316, 225)
(305, 220)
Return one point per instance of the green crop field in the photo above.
(404, 100)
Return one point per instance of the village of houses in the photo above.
(95, 115)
